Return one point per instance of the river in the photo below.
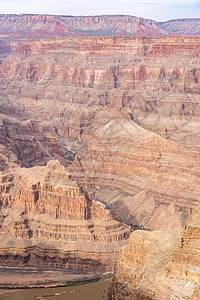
(88, 291)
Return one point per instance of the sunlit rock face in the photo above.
(89, 124)
(52, 26)
(184, 27)
(46, 219)
(160, 265)
(18, 27)
(121, 112)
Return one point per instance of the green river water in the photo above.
(88, 291)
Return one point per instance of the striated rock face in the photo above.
(47, 219)
(184, 27)
(36, 26)
(30, 143)
(122, 114)
(155, 265)
(33, 26)
(124, 110)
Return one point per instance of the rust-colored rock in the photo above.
(47, 219)
(16, 27)
(127, 110)
(155, 266)
(122, 113)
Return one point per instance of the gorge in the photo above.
(48, 220)
(99, 135)
(120, 112)
(160, 265)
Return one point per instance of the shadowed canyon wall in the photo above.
(124, 110)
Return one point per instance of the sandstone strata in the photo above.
(184, 27)
(125, 110)
(160, 265)
(47, 219)
(16, 27)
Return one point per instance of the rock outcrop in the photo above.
(29, 143)
(184, 27)
(124, 110)
(122, 114)
(46, 219)
(16, 27)
(160, 265)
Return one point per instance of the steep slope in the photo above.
(30, 143)
(184, 27)
(155, 266)
(145, 179)
(48, 220)
(126, 108)
(37, 26)
(23, 26)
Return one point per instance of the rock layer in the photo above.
(47, 219)
(32, 26)
(125, 110)
(155, 266)
(184, 27)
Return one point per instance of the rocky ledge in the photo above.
(160, 265)
(32, 26)
(47, 219)
(126, 107)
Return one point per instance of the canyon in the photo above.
(121, 113)
(100, 136)
(160, 265)
(46, 219)
(26, 26)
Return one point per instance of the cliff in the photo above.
(48, 220)
(185, 27)
(124, 110)
(18, 27)
(122, 115)
(160, 265)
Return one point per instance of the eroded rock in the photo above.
(47, 219)
(160, 265)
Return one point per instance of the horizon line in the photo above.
(101, 15)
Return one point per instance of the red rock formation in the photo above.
(127, 110)
(33, 26)
(139, 176)
(184, 27)
(47, 219)
(154, 266)
(127, 107)
(36, 26)
(29, 142)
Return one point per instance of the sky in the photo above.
(159, 10)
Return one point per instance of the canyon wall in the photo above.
(184, 27)
(160, 265)
(46, 219)
(18, 27)
(121, 112)
(97, 123)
